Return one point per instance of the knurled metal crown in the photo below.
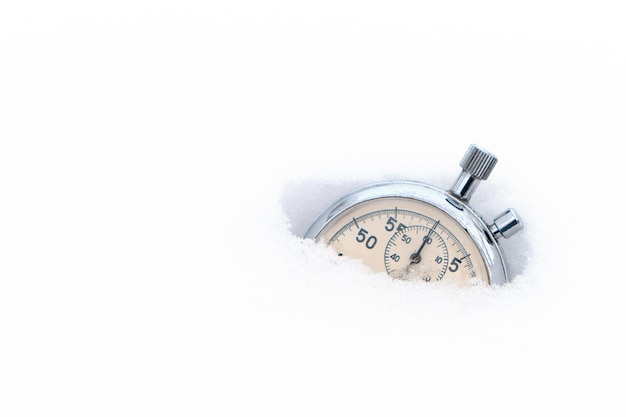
(478, 162)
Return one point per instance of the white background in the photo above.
(159, 161)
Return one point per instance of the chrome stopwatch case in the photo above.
(412, 230)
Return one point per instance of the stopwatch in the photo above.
(416, 231)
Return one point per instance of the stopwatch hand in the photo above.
(415, 256)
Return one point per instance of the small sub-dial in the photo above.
(417, 252)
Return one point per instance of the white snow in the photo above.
(160, 161)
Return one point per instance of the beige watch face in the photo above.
(409, 239)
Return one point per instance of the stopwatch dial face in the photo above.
(408, 239)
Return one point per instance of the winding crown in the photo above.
(478, 162)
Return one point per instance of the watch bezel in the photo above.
(460, 212)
